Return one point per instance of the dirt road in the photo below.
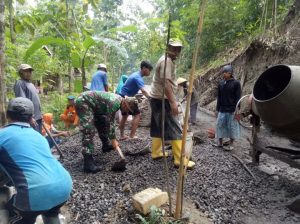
(219, 187)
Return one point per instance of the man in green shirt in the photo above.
(97, 109)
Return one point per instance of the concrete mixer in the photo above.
(275, 102)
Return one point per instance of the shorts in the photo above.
(133, 113)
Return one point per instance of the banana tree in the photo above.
(79, 51)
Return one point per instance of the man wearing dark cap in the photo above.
(69, 117)
(99, 79)
(229, 93)
(173, 131)
(97, 109)
(25, 88)
(132, 86)
(41, 182)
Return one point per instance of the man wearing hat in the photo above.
(97, 109)
(42, 184)
(24, 88)
(99, 79)
(69, 117)
(229, 93)
(173, 131)
(182, 94)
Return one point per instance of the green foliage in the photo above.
(99, 31)
(156, 216)
(44, 41)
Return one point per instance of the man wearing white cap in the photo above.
(99, 79)
(24, 88)
(173, 131)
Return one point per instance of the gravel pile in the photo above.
(219, 186)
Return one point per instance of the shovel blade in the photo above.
(119, 166)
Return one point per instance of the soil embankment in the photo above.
(262, 53)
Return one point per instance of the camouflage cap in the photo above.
(131, 103)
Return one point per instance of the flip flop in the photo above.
(217, 145)
(228, 148)
(124, 138)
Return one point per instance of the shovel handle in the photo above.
(120, 153)
(55, 144)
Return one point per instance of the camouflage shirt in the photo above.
(93, 103)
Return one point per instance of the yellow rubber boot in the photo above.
(156, 149)
(176, 149)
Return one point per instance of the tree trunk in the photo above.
(83, 74)
(11, 22)
(60, 84)
(70, 72)
(2, 65)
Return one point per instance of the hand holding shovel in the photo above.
(120, 165)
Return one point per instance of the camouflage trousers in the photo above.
(89, 123)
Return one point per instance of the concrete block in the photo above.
(143, 200)
(3, 216)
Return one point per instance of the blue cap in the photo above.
(227, 68)
(71, 97)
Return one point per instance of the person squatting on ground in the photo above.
(173, 131)
(24, 88)
(56, 134)
(69, 117)
(182, 95)
(41, 182)
(98, 109)
(99, 79)
(229, 93)
(134, 83)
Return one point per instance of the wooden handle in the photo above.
(120, 153)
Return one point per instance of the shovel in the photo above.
(55, 144)
(120, 165)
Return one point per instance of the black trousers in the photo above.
(173, 129)
(17, 216)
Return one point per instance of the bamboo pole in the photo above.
(179, 194)
(275, 17)
(166, 167)
(262, 16)
(266, 15)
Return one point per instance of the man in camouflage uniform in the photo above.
(97, 109)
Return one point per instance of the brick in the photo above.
(143, 200)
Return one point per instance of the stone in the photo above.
(143, 200)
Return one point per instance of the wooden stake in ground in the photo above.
(163, 112)
(179, 194)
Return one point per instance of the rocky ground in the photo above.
(218, 190)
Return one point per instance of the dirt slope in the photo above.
(262, 53)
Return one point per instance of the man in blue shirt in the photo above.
(133, 84)
(99, 79)
(41, 182)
